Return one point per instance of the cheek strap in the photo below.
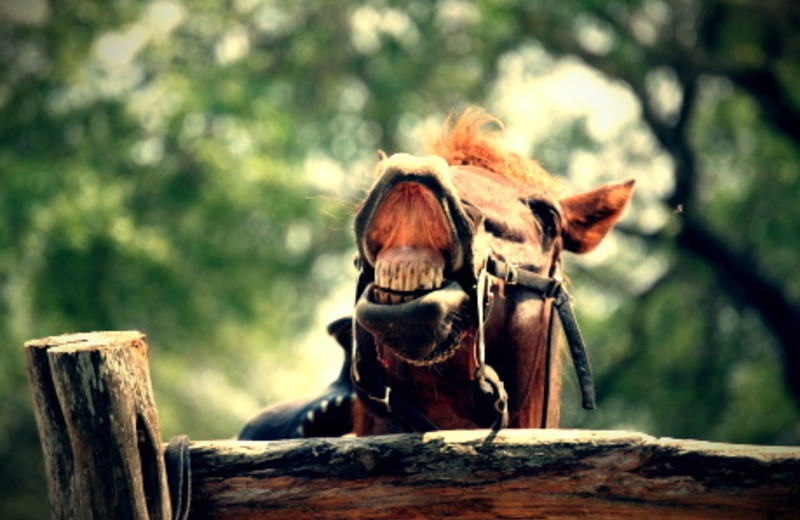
(549, 288)
(490, 400)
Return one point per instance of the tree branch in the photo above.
(773, 99)
(743, 279)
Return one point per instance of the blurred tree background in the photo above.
(188, 169)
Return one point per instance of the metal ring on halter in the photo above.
(481, 293)
(383, 400)
(354, 351)
(512, 275)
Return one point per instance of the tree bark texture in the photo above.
(98, 425)
(553, 474)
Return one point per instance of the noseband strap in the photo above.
(553, 288)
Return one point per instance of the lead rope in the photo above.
(178, 466)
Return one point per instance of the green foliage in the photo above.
(188, 169)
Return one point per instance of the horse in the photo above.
(460, 300)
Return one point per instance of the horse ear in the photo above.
(590, 216)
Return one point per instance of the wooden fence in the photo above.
(104, 458)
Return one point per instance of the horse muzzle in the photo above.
(414, 239)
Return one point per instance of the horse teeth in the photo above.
(411, 277)
(406, 277)
(426, 282)
(396, 282)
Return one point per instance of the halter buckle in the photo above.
(512, 275)
(383, 400)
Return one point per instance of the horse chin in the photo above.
(422, 328)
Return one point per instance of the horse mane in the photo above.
(466, 141)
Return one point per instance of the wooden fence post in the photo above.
(98, 425)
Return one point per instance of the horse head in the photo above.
(438, 330)
(458, 296)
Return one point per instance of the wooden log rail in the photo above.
(516, 474)
(97, 423)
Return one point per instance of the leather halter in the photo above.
(553, 288)
(377, 395)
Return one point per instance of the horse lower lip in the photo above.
(416, 327)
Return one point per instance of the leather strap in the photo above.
(179, 476)
(577, 348)
(553, 287)
(514, 275)
(392, 406)
(371, 388)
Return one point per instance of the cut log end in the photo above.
(98, 425)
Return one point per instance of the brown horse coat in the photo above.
(424, 232)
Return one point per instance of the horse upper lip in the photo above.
(432, 173)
